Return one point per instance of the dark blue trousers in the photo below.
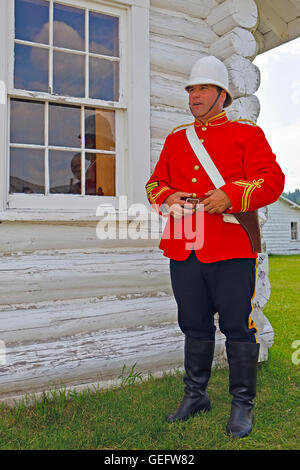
(202, 289)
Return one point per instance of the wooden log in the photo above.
(89, 357)
(181, 28)
(244, 76)
(45, 321)
(232, 13)
(194, 8)
(42, 277)
(247, 107)
(173, 59)
(238, 41)
(167, 90)
(83, 352)
(163, 121)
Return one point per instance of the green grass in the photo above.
(133, 416)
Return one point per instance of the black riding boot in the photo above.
(242, 360)
(198, 357)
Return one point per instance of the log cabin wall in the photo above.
(74, 310)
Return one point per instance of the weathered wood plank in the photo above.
(194, 8)
(69, 275)
(162, 56)
(181, 28)
(32, 236)
(87, 358)
(167, 90)
(163, 120)
(45, 321)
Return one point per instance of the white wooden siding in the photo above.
(277, 229)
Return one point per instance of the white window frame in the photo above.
(132, 116)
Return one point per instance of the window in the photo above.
(71, 120)
(294, 230)
(73, 52)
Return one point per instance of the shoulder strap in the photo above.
(204, 158)
(208, 165)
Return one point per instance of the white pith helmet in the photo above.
(210, 71)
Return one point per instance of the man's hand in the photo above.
(177, 206)
(216, 202)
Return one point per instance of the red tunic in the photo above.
(253, 180)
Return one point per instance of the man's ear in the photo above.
(223, 96)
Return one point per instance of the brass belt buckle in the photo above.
(192, 200)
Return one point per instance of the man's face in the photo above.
(201, 97)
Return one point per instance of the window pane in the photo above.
(32, 20)
(100, 174)
(26, 122)
(64, 125)
(68, 74)
(99, 129)
(26, 171)
(294, 230)
(68, 27)
(104, 79)
(104, 34)
(31, 68)
(64, 172)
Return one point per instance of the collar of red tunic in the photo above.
(217, 120)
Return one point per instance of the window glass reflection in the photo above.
(31, 68)
(99, 129)
(64, 172)
(100, 174)
(32, 20)
(104, 79)
(104, 34)
(26, 122)
(26, 171)
(64, 125)
(68, 27)
(68, 74)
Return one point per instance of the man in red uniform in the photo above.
(219, 274)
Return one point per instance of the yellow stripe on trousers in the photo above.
(251, 323)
